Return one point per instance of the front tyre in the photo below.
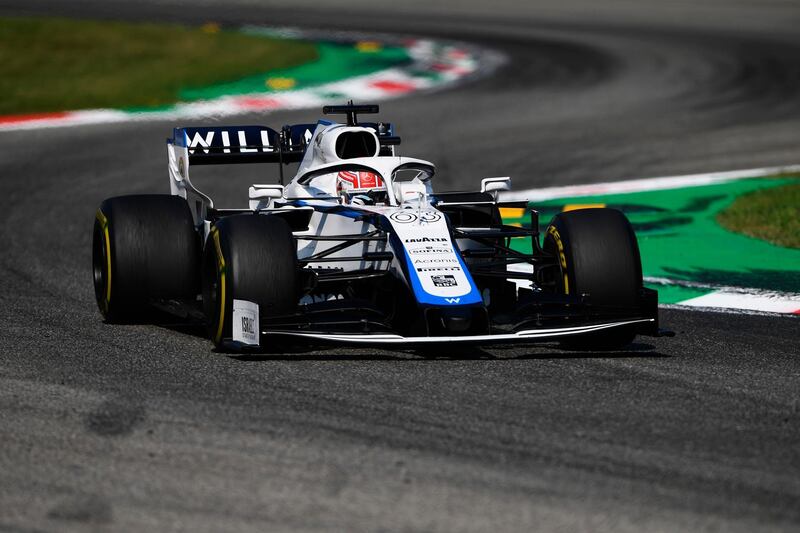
(597, 255)
(248, 257)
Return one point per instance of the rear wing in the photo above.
(242, 144)
(220, 145)
(256, 144)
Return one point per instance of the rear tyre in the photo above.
(144, 248)
(253, 258)
(598, 255)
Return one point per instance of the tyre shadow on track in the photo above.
(635, 350)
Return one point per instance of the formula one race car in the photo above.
(358, 248)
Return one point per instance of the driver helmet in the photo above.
(355, 186)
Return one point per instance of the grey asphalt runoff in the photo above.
(146, 428)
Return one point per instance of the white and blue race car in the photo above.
(358, 248)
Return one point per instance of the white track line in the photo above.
(772, 303)
(642, 185)
(727, 310)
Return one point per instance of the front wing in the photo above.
(522, 337)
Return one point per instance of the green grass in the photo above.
(52, 64)
(769, 214)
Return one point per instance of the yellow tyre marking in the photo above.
(222, 276)
(575, 207)
(562, 257)
(104, 225)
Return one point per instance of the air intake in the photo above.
(352, 144)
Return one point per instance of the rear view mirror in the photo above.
(495, 185)
(262, 196)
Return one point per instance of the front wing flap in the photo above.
(522, 337)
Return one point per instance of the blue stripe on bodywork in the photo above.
(424, 297)
(335, 209)
(382, 222)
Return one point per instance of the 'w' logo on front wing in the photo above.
(453, 300)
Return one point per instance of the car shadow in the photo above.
(317, 352)
(285, 350)
(638, 350)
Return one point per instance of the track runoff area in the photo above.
(350, 66)
(686, 255)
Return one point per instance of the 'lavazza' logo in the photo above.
(428, 239)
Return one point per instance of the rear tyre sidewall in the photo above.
(144, 248)
(248, 257)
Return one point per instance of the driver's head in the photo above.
(352, 184)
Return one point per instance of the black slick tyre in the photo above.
(248, 257)
(598, 255)
(144, 248)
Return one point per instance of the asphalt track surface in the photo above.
(132, 428)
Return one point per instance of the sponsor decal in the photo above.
(435, 270)
(444, 280)
(430, 216)
(355, 181)
(436, 260)
(452, 300)
(428, 239)
(408, 216)
(440, 269)
(430, 250)
(198, 140)
(403, 217)
(207, 139)
(245, 322)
